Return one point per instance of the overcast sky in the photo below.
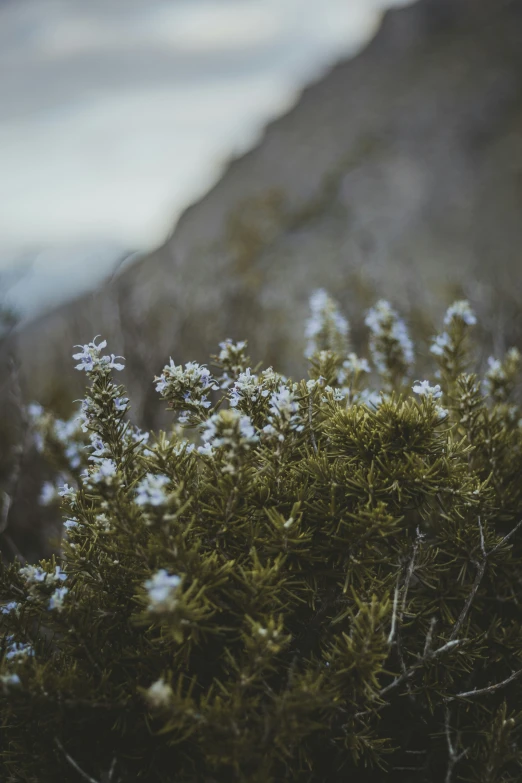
(116, 114)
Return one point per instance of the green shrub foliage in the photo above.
(308, 581)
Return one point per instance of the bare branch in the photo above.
(454, 757)
(409, 573)
(488, 690)
(471, 597)
(481, 569)
(411, 671)
(506, 538)
(394, 614)
(429, 637)
(482, 544)
(73, 763)
(112, 769)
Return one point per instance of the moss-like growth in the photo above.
(303, 581)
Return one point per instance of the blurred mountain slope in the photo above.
(399, 174)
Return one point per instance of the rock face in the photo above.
(397, 175)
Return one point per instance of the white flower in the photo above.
(232, 359)
(283, 403)
(425, 390)
(12, 606)
(351, 367)
(69, 524)
(389, 335)
(230, 431)
(228, 428)
(67, 492)
(90, 360)
(39, 442)
(247, 387)
(35, 410)
(326, 329)
(48, 494)
(17, 649)
(186, 386)
(105, 471)
(462, 310)
(340, 394)
(440, 343)
(140, 437)
(57, 598)
(284, 414)
(206, 450)
(121, 403)
(314, 383)
(159, 694)
(371, 399)
(85, 415)
(162, 589)
(35, 575)
(65, 430)
(10, 680)
(183, 447)
(151, 490)
(103, 522)
(495, 370)
(229, 350)
(72, 454)
(99, 448)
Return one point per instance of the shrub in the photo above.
(303, 581)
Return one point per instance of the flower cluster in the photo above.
(250, 392)
(35, 575)
(189, 570)
(232, 360)
(67, 492)
(12, 606)
(90, 360)
(351, 369)
(151, 490)
(284, 415)
(424, 389)
(57, 598)
(10, 681)
(326, 329)
(37, 582)
(162, 589)
(390, 344)
(431, 393)
(159, 694)
(450, 347)
(460, 311)
(187, 389)
(51, 432)
(104, 472)
(48, 493)
(501, 376)
(17, 649)
(230, 432)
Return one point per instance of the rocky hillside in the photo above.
(399, 175)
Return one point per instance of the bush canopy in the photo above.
(304, 581)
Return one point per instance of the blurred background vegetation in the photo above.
(398, 174)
